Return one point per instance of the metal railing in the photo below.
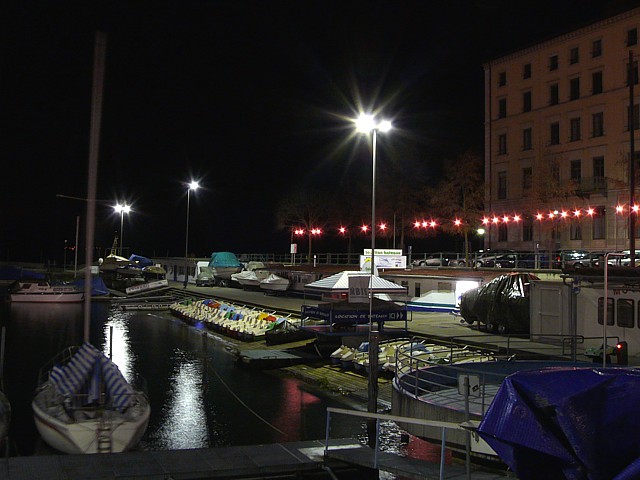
(444, 426)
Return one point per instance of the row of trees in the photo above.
(403, 192)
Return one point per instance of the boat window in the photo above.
(609, 311)
(624, 308)
(417, 289)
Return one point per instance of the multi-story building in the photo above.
(558, 139)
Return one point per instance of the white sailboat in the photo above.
(83, 404)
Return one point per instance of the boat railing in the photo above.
(62, 358)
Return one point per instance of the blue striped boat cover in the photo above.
(118, 389)
(71, 378)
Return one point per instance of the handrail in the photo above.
(395, 418)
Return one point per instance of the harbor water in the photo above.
(199, 396)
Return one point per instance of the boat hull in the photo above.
(81, 436)
(47, 297)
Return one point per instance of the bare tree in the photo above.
(306, 209)
(460, 195)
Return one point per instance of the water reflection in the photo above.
(117, 344)
(184, 419)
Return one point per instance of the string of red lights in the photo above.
(487, 219)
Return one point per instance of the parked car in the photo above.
(432, 260)
(537, 260)
(497, 259)
(573, 259)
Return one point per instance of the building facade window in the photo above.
(574, 134)
(598, 167)
(597, 124)
(527, 229)
(632, 37)
(598, 224)
(527, 139)
(553, 62)
(574, 88)
(502, 108)
(576, 171)
(575, 231)
(502, 185)
(554, 133)
(502, 79)
(596, 48)
(502, 144)
(526, 102)
(526, 70)
(574, 55)
(527, 178)
(596, 83)
(632, 74)
(502, 233)
(636, 117)
(554, 95)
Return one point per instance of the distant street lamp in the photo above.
(194, 185)
(122, 209)
(367, 124)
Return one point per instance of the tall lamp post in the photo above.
(122, 209)
(194, 185)
(367, 124)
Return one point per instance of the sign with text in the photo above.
(359, 289)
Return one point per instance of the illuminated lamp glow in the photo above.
(495, 220)
(485, 221)
(505, 219)
(577, 212)
(563, 214)
(590, 211)
(619, 209)
(365, 123)
(552, 214)
(382, 226)
(299, 231)
(425, 224)
(516, 218)
(416, 224)
(433, 224)
(364, 228)
(635, 208)
(342, 230)
(457, 222)
(539, 216)
(385, 126)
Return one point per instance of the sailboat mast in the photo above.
(92, 176)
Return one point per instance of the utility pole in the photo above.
(632, 166)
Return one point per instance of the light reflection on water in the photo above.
(117, 345)
(185, 422)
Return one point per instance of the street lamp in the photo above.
(122, 209)
(367, 124)
(194, 185)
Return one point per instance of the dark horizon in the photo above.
(251, 98)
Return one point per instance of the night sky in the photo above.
(249, 97)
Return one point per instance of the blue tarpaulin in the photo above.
(140, 261)
(567, 423)
(224, 260)
(98, 286)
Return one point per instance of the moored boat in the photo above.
(41, 291)
(83, 404)
(274, 283)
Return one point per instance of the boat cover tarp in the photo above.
(224, 260)
(502, 301)
(567, 423)
(140, 261)
(86, 372)
(98, 286)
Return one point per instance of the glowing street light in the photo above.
(193, 185)
(122, 209)
(367, 124)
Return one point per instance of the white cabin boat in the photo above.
(41, 291)
(274, 283)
